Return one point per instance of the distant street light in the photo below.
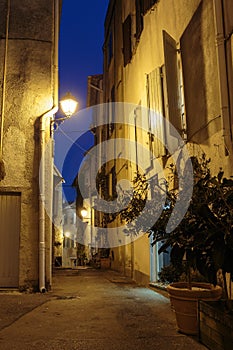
(67, 234)
(84, 212)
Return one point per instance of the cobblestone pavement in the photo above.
(90, 310)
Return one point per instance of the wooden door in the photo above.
(10, 204)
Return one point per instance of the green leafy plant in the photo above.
(204, 238)
(170, 273)
(137, 204)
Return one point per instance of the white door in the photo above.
(157, 261)
(163, 259)
(10, 204)
(153, 261)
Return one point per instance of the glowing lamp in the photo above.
(84, 212)
(69, 104)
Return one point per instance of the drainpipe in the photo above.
(222, 73)
(2, 166)
(44, 119)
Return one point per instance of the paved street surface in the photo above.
(90, 310)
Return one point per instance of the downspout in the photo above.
(56, 83)
(222, 73)
(44, 119)
(2, 166)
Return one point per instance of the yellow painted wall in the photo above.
(191, 25)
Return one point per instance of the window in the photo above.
(65, 220)
(153, 182)
(172, 82)
(109, 49)
(112, 182)
(147, 4)
(165, 98)
(111, 114)
(127, 46)
(139, 18)
(137, 114)
(156, 113)
(192, 52)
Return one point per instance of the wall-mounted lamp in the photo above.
(67, 234)
(69, 106)
(84, 212)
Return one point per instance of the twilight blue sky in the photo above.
(80, 55)
(80, 48)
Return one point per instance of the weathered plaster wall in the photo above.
(191, 24)
(28, 95)
(141, 259)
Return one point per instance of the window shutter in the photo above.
(172, 82)
(147, 4)
(139, 18)
(127, 47)
(111, 113)
(156, 112)
(109, 49)
(113, 181)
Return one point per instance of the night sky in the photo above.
(80, 48)
(80, 55)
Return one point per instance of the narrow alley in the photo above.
(90, 310)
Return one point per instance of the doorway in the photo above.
(10, 204)
(157, 261)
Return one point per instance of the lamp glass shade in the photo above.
(69, 104)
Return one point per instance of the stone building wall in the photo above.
(28, 95)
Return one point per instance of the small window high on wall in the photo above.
(147, 5)
(109, 48)
(127, 45)
(139, 18)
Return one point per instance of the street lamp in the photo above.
(69, 105)
(84, 212)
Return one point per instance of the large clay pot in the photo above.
(185, 303)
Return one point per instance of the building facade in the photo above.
(86, 235)
(173, 57)
(28, 102)
(69, 248)
(58, 219)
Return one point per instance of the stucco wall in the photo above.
(191, 25)
(28, 95)
(141, 260)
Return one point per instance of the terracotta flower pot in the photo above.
(185, 303)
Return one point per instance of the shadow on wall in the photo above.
(196, 74)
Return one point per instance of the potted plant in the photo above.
(203, 241)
